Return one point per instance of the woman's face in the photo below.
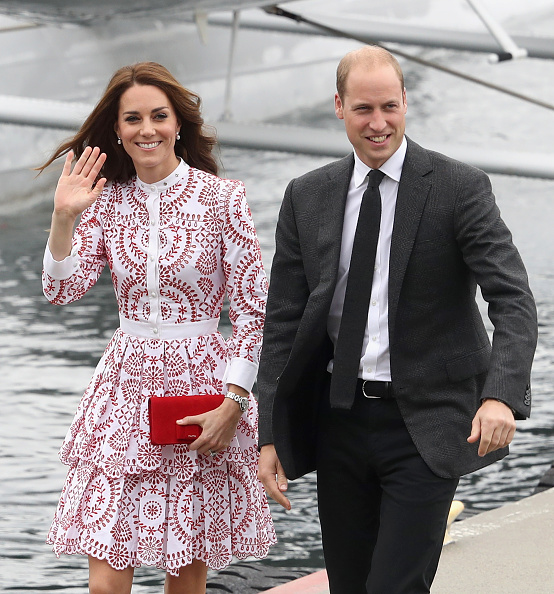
(147, 126)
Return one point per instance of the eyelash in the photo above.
(159, 116)
(387, 107)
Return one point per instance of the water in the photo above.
(47, 353)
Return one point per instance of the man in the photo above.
(393, 408)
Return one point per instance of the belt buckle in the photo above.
(364, 393)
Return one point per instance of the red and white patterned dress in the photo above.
(174, 249)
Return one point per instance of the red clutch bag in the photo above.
(164, 411)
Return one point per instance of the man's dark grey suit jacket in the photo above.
(448, 237)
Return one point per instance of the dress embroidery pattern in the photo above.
(174, 249)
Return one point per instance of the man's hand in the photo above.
(494, 425)
(272, 475)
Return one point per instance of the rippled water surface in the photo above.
(47, 354)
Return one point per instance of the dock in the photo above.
(508, 550)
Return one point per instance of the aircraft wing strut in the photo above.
(364, 37)
(332, 143)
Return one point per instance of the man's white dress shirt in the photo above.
(375, 360)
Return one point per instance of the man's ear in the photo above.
(338, 107)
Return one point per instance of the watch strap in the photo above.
(242, 401)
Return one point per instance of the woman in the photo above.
(176, 239)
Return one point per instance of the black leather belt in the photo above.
(371, 389)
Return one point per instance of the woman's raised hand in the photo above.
(76, 189)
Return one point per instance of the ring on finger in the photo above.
(212, 453)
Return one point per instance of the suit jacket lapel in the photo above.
(331, 217)
(412, 194)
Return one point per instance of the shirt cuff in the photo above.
(241, 372)
(60, 270)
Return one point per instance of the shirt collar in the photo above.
(391, 168)
(173, 178)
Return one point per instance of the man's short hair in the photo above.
(369, 55)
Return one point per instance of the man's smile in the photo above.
(378, 139)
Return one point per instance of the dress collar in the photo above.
(172, 179)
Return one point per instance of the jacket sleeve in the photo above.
(288, 295)
(489, 252)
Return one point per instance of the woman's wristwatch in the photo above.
(242, 401)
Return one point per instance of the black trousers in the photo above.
(382, 511)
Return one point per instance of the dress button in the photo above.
(153, 294)
(153, 222)
(151, 258)
(155, 330)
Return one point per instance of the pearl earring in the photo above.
(178, 137)
(118, 140)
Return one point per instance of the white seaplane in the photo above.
(56, 56)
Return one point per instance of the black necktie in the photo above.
(353, 323)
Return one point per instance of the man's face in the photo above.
(374, 112)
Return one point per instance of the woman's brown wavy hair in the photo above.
(195, 145)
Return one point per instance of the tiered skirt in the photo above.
(134, 503)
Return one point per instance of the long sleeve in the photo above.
(67, 281)
(246, 286)
(287, 300)
(488, 250)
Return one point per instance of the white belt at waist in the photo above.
(168, 331)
